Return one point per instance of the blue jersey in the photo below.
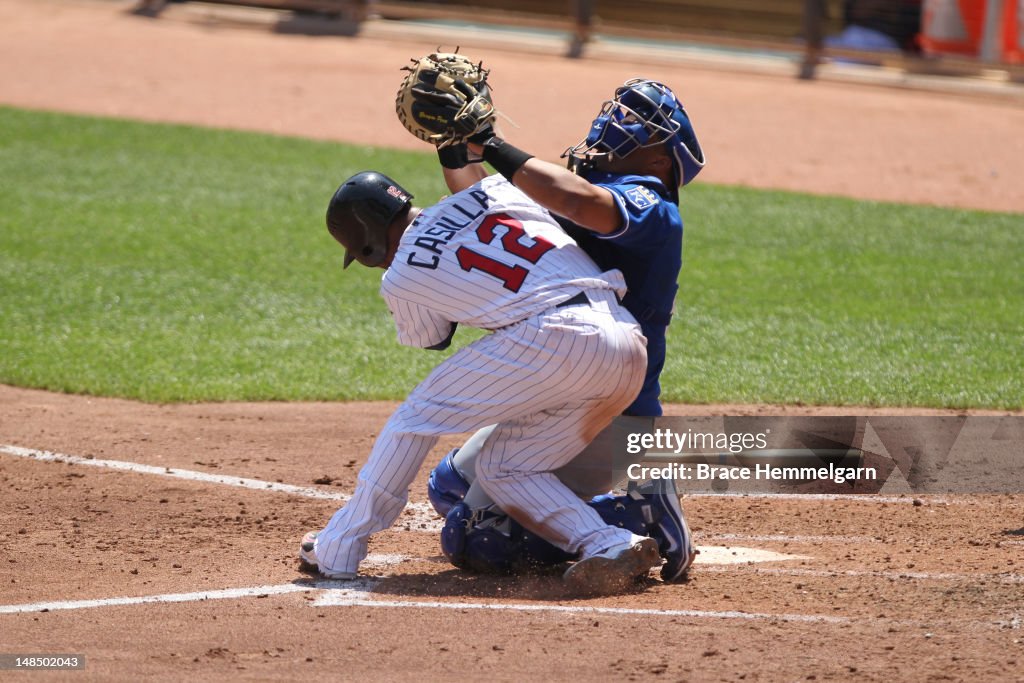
(648, 249)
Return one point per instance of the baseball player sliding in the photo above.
(564, 358)
(619, 201)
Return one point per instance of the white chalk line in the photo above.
(620, 611)
(878, 574)
(722, 555)
(357, 596)
(422, 515)
(359, 593)
(225, 594)
(372, 561)
(787, 538)
(176, 473)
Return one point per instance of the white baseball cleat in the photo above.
(615, 569)
(308, 561)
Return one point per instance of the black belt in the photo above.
(577, 300)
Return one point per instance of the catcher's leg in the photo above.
(446, 485)
(454, 479)
(487, 540)
(652, 510)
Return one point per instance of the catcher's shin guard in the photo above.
(446, 485)
(489, 541)
(453, 534)
(631, 512)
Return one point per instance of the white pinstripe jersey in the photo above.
(485, 257)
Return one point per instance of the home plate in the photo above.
(718, 554)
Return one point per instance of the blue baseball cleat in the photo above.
(675, 542)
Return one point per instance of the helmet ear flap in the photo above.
(369, 256)
(374, 243)
(686, 149)
(373, 255)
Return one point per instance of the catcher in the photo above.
(619, 200)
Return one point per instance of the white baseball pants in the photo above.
(550, 384)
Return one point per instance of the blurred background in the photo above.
(938, 37)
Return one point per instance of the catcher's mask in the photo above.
(644, 113)
(360, 212)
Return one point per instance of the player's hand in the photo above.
(453, 156)
(476, 141)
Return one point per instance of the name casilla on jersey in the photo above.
(458, 216)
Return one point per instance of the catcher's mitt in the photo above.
(444, 99)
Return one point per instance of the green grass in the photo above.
(797, 299)
(169, 263)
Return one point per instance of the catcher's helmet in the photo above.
(360, 212)
(644, 113)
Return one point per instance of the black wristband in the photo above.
(505, 158)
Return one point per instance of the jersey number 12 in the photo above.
(512, 277)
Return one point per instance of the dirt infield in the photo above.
(140, 501)
(159, 541)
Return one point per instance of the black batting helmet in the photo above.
(360, 212)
